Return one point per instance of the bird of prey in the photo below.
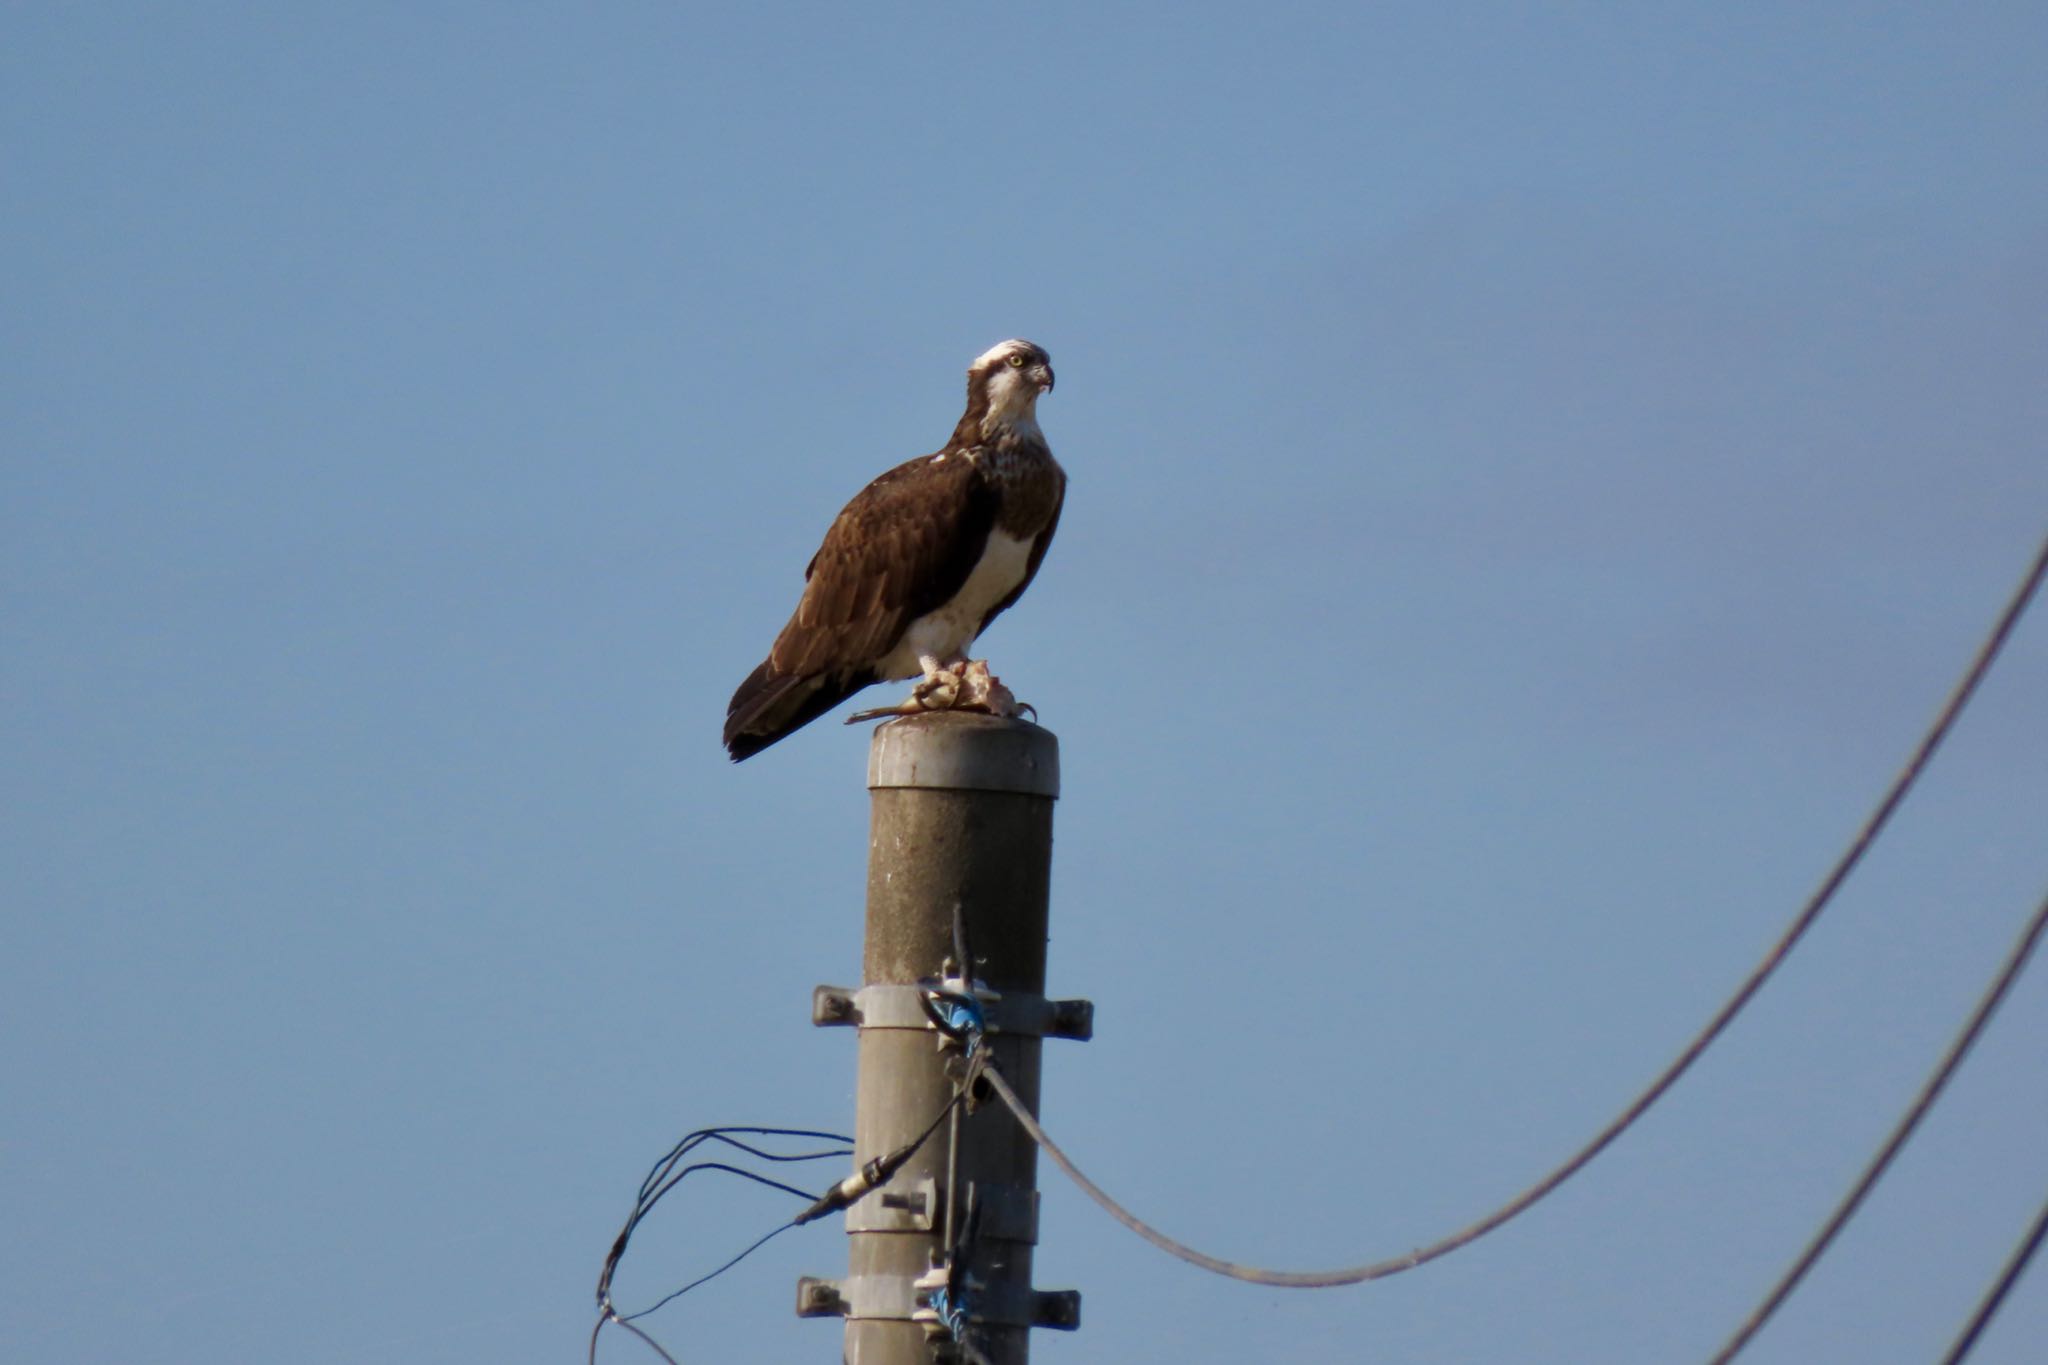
(917, 565)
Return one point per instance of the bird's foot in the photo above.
(941, 688)
(938, 690)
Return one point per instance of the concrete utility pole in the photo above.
(962, 817)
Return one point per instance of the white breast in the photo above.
(948, 631)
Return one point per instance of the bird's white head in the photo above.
(1008, 377)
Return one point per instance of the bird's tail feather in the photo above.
(769, 705)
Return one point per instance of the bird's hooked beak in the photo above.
(1043, 375)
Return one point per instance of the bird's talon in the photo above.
(937, 691)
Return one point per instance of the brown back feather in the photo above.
(901, 548)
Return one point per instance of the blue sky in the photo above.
(1535, 472)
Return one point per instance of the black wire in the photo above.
(664, 1176)
(740, 1171)
(2015, 962)
(2007, 1278)
(1944, 721)
(758, 1244)
(603, 1318)
(959, 1094)
(607, 1313)
(691, 1141)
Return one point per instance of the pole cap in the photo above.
(965, 751)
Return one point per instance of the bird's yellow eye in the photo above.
(1017, 362)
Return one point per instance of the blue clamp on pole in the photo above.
(957, 1014)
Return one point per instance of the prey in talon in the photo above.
(967, 686)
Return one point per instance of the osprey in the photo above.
(917, 565)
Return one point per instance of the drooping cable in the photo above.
(607, 1313)
(1944, 721)
(666, 1174)
(2015, 962)
(709, 1276)
(2015, 1267)
(626, 1320)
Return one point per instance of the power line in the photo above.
(2015, 962)
(669, 1171)
(2007, 1278)
(1866, 835)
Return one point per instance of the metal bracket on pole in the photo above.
(894, 1209)
(900, 1006)
(899, 1298)
(1008, 1213)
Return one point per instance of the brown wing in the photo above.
(901, 548)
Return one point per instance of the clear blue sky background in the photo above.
(1535, 472)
